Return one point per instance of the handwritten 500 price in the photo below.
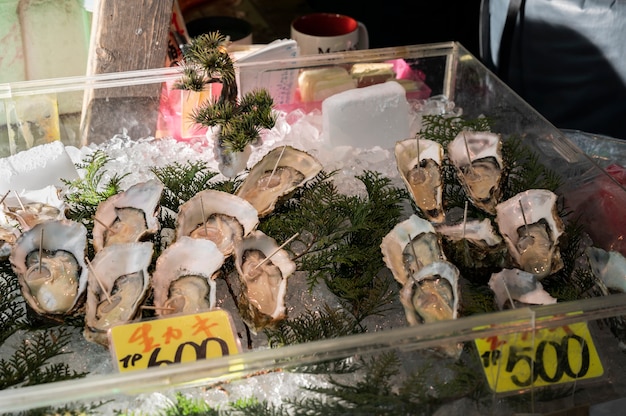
(560, 355)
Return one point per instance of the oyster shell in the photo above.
(432, 295)
(531, 227)
(8, 237)
(128, 216)
(218, 216)
(409, 246)
(263, 282)
(49, 261)
(29, 208)
(514, 285)
(479, 232)
(118, 284)
(422, 177)
(183, 279)
(609, 267)
(477, 157)
(475, 241)
(276, 176)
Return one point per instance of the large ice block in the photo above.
(36, 168)
(377, 115)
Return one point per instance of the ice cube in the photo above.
(36, 168)
(377, 115)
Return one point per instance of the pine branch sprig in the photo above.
(313, 325)
(84, 195)
(12, 306)
(29, 365)
(182, 181)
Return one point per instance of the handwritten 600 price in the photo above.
(177, 339)
(198, 351)
(554, 356)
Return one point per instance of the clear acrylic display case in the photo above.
(93, 109)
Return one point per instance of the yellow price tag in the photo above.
(518, 361)
(180, 338)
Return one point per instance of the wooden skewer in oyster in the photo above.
(261, 300)
(411, 243)
(128, 216)
(283, 245)
(513, 286)
(50, 266)
(44, 206)
(98, 280)
(4, 196)
(475, 243)
(477, 158)
(291, 169)
(269, 181)
(218, 216)
(532, 233)
(184, 277)
(419, 164)
(118, 283)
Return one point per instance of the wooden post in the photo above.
(126, 36)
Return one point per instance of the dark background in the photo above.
(389, 23)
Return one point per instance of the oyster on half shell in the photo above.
(276, 176)
(263, 269)
(49, 261)
(128, 216)
(218, 216)
(531, 227)
(514, 286)
(609, 267)
(477, 157)
(409, 246)
(419, 164)
(183, 279)
(432, 295)
(29, 208)
(476, 241)
(118, 284)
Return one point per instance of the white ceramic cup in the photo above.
(319, 33)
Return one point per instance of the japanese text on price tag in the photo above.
(549, 356)
(173, 340)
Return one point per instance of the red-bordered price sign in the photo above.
(181, 338)
(544, 357)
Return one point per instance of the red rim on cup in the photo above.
(325, 24)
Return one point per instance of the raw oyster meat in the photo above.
(479, 232)
(218, 216)
(511, 286)
(432, 295)
(531, 227)
(49, 261)
(476, 241)
(409, 246)
(183, 279)
(118, 284)
(29, 208)
(276, 176)
(419, 164)
(128, 216)
(609, 267)
(477, 157)
(263, 269)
